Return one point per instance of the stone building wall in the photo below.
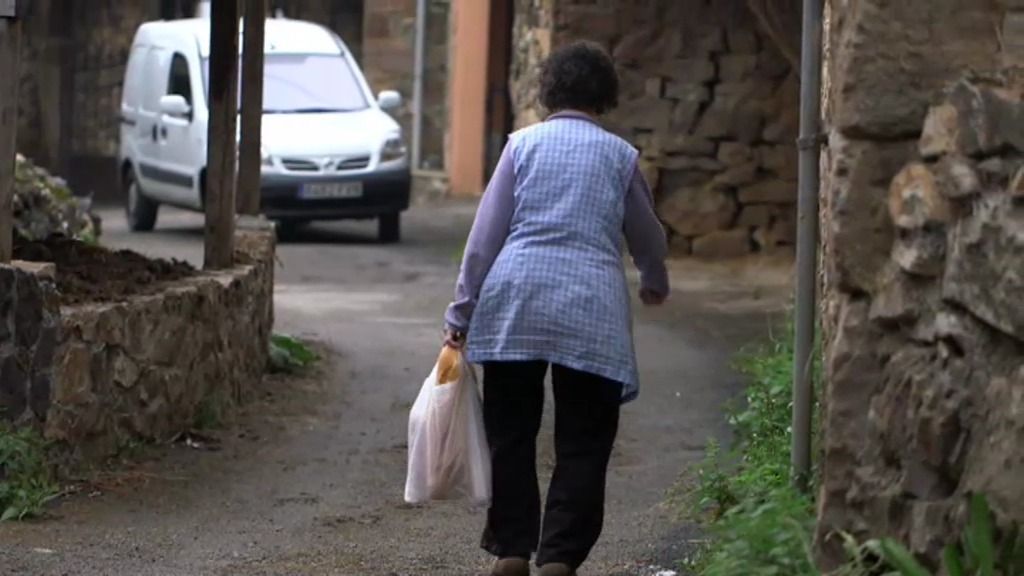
(706, 96)
(924, 231)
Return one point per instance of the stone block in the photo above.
(939, 135)
(28, 314)
(687, 92)
(734, 153)
(783, 128)
(654, 87)
(723, 244)
(983, 273)
(781, 160)
(712, 40)
(688, 145)
(736, 67)
(633, 45)
(888, 69)
(772, 64)
(14, 380)
(755, 216)
(915, 201)
(737, 175)
(989, 119)
(687, 70)
(858, 225)
(645, 113)
(693, 211)
(44, 270)
(698, 163)
(684, 116)
(920, 252)
(769, 192)
(741, 40)
(40, 395)
(1013, 37)
(896, 301)
(679, 246)
(781, 231)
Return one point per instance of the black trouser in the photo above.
(586, 421)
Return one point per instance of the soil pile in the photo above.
(89, 273)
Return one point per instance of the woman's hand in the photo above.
(454, 339)
(652, 298)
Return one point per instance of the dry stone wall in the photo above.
(29, 322)
(707, 98)
(141, 369)
(924, 229)
(96, 376)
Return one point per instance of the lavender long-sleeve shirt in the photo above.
(645, 236)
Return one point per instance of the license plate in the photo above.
(332, 190)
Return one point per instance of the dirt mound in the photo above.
(88, 273)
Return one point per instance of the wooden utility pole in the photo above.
(250, 157)
(221, 155)
(10, 44)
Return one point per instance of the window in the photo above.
(156, 68)
(133, 77)
(307, 83)
(179, 82)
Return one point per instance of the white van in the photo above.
(330, 151)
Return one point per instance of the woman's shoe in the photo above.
(511, 567)
(557, 569)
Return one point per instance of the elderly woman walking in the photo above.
(542, 285)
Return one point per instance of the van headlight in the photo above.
(394, 149)
(265, 158)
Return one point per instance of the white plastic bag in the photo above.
(448, 454)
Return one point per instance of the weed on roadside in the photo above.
(290, 355)
(26, 479)
(757, 522)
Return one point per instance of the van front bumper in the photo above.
(384, 192)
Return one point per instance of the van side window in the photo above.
(154, 70)
(132, 91)
(179, 82)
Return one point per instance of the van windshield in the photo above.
(306, 84)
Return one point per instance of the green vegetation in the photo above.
(982, 551)
(758, 524)
(289, 355)
(26, 480)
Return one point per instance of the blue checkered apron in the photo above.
(557, 291)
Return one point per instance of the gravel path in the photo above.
(309, 479)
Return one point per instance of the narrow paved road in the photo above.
(309, 480)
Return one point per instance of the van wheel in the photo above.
(389, 228)
(139, 210)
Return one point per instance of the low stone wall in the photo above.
(29, 320)
(706, 96)
(140, 369)
(924, 395)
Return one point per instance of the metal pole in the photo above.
(807, 240)
(10, 48)
(250, 159)
(417, 86)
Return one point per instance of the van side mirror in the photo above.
(175, 106)
(389, 100)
